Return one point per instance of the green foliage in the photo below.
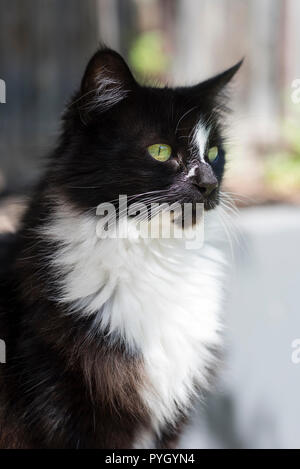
(147, 56)
(282, 168)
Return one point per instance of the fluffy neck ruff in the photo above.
(159, 299)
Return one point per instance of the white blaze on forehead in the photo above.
(200, 139)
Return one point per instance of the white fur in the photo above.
(200, 139)
(108, 93)
(192, 171)
(162, 298)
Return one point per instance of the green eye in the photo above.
(212, 154)
(160, 152)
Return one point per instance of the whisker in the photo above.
(226, 230)
(183, 116)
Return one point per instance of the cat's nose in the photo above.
(206, 188)
(205, 181)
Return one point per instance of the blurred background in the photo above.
(44, 47)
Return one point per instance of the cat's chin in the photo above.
(210, 205)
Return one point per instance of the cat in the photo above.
(109, 340)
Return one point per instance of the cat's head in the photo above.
(153, 144)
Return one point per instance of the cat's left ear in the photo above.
(214, 86)
(107, 80)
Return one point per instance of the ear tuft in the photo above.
(106, 81)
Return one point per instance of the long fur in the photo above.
(109, 340)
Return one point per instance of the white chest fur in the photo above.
(162, 298)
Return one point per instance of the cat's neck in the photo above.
(66, 261)
(144, 300)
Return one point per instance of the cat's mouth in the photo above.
(184, 212)
(207, 202)
(198, 208)
(211, 203)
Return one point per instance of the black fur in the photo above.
(62, 386)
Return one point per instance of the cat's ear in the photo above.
(107, 80)
(214, 86)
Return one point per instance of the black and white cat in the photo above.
(109, 340)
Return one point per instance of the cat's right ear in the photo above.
(107, 81)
